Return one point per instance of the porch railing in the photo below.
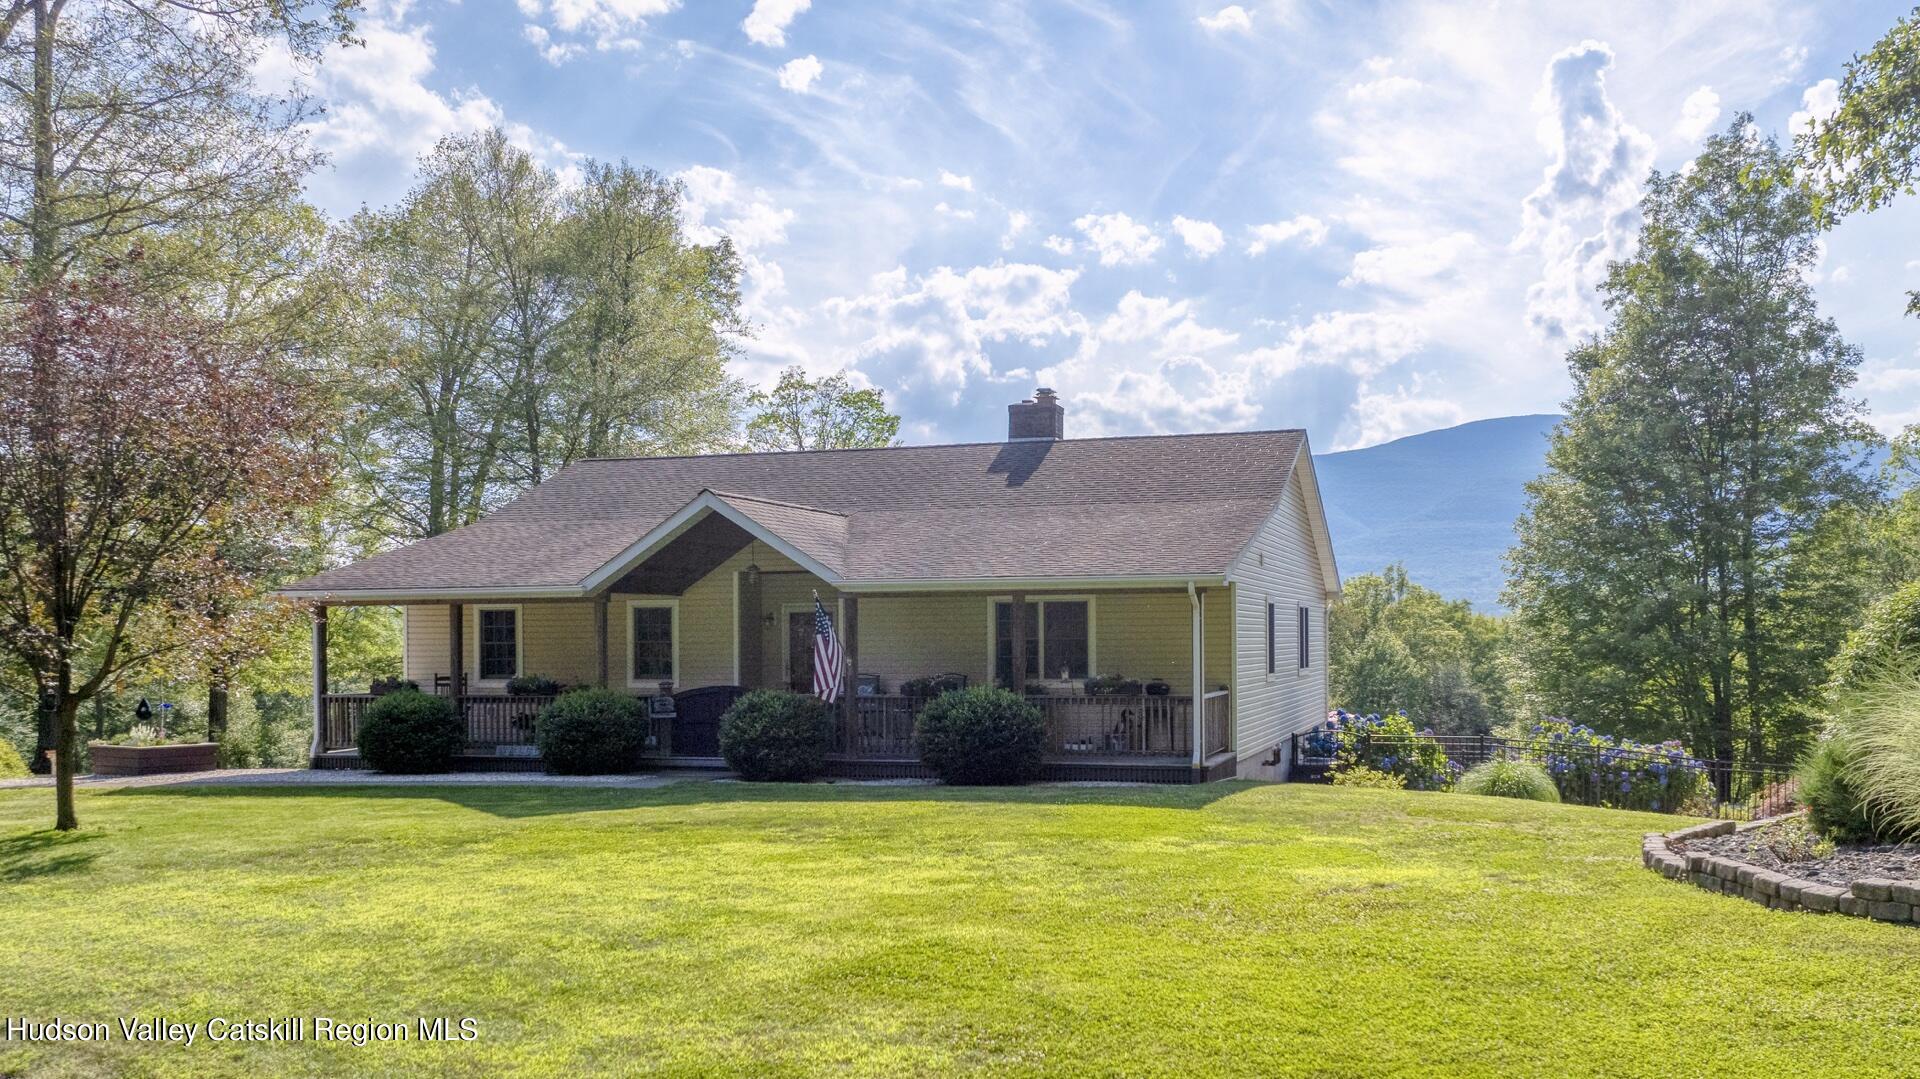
(493, 720)
(881, 727)
(1217, 720)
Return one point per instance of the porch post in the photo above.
(1017, 630)
(1198, 606)
(600, 635)
(456, 650)
(851, 605)
(319, 680)
(752, 653)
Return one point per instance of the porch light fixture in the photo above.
(753, 565)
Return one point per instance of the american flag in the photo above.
(827, 657)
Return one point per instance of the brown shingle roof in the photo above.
(1145, 506)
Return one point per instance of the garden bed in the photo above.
(1758, 862)
(113, 760)
(1764, 846)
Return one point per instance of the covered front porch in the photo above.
(1134, 678)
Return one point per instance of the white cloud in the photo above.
(1362, 342)
(1017, 222)
(1788, 63)
(553, 52)
(1169, 324)
(717, 204)
(938, 326)
(1379, 416)
(950, 211)
(612, 24)
(1586, 210)
(1407, 266)
(1203, 238)
(1309, 230)
(1233, 18)
(1119, 239)
(767, 23)
(1817, 103)
(1697, 114)
(798, 75)
(948, 179)
(1059, 245)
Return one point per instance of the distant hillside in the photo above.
(1442, 502)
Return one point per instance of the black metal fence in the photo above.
(1654, 780)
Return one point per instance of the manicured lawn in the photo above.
(728, 928)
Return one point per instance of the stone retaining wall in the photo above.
(1871, 897)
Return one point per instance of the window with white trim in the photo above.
(497, 643)
(651, 651)
(1273, 617)
(1306, 637)
(1059, 636)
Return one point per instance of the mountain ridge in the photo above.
(1442, 502)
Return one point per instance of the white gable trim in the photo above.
(704, 503)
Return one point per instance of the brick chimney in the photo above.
(1040, 417)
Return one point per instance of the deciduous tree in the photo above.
(1709, 433)
(131, 433)
(826, 413)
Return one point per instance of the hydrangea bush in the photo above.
(1599, 769)
(1389, 744)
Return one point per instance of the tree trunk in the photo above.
(67, 742)
(42, 233)
(217, 704)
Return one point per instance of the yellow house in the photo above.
(1170, 590)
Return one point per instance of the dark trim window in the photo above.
(499, 643)
(1273, 618)
(1059, 638)
(652, 643)
(1306, 637)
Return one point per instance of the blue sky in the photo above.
(1363, 219)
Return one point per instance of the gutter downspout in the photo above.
(1199, 686)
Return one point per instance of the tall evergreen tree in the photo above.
(1658, 583)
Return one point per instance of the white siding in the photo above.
(1282, 566)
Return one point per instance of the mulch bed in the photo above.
(1844, 866)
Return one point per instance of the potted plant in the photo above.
(532, 685)
(145, 751)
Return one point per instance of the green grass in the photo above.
(731, 928)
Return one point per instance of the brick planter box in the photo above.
(112, 760)
(1871, 897)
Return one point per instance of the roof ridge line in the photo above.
(718, 493)
(938, 445)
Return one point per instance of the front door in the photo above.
(800, 651)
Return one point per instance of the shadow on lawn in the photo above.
(43, 854)
(542, 801)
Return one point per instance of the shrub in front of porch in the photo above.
(591, 732)
(771, 735)
(982, 736)
(410, 733)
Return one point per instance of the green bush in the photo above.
(982, 735)
(1362, 776)
(410, 733)
(1877, 727)
(1500, 778)
(11, 766)
(591, 732)
(1834, 806)
(1889, 635)
(771, 735)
